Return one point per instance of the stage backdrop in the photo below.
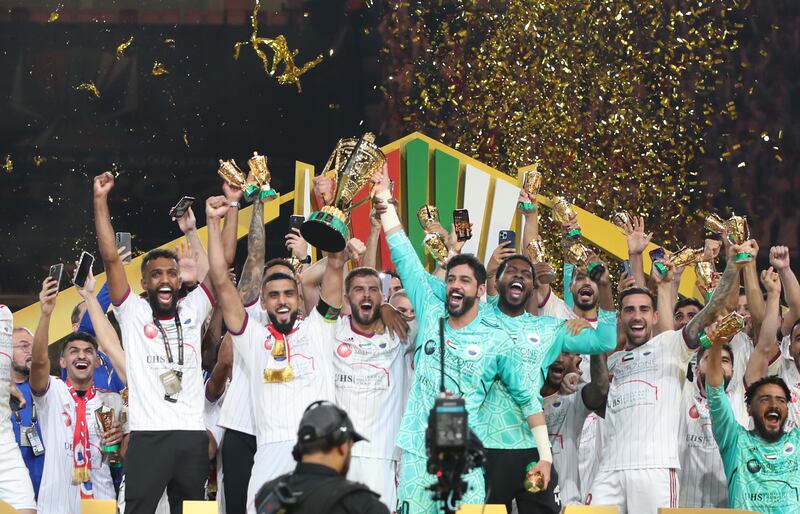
(424, 171)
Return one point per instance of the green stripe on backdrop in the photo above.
(446, 190)
(416, 189)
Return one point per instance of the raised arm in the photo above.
(500, 253)
(253, 269)
(779, 259)
(229, 239)
(595, 393)
(228, 298)
(373, 240)
(637, 243)
(332, 286)
(215, 386)
(188, 225)
(728, 282)
(666, 298)
(767, 345)
(530, 230)
(115, 271)
(755, 301)
(107, 338)
(40, 361)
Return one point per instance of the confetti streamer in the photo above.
(158, 69)
(122, 47)
(603, 93)
(89, 86)
(55, 14)
(281, 54)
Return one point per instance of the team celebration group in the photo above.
(318, 378)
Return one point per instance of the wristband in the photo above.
(235, 205)
(542, 443)
(574, 233)
(705, 341)
(389, 219)
(743, 257)
(527, 206)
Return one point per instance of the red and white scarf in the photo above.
(81, 452)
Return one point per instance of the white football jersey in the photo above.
(565, 415)
(555, 307)
(590, 451)
(6, 356)
(371, 384)
(643, 408)
(788, 372)
(57, 417)
(278, 406)
(702, 475)
(146, 360)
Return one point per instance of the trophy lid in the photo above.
(353, 162)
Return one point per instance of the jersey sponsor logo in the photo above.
(187, 321)
(344, 350)
(473, 351)
(533, 338)
(156, 359)
(788, 448)
(753, 466)
(150, 332)
(557, 404)
(648, 352)
(268, 343)
(693, 412)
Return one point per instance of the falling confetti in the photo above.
(8, 164)
(122, 47)
(186, 138)
(38, 160)
(602, 93)
(158, 69)
(55, 14)
(169, 42)
(89, 86)
(281, 54)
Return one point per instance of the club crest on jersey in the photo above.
(268, 343)
(344, 350)
(430, 347)
(150, 332)
(693, 412)
(557, 404)
(788, 448)
(628, 357)
(187, 321)
(753, 466)
(473, 351)
(648, 352)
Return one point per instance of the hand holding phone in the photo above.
(125, 239)
(181, 207)
(658, 267)
(83, 269)
(508, 235)
(462, 225)
(56, 270)
(296, 221)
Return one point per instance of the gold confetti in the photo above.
(186, 138)
(89, 86)
(158, 69)
(122, 47)
(281, 54)
(38, 160)
(55, 14)
(8, 164)
(169, 42)
(603, 94)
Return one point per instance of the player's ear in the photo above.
(481, 290)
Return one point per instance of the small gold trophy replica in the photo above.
(260, 171)
(105, 420)
(279, 354)
(531, 183)
(536, 251)
(705, 276)
(563, 213)
(727, 327)
(580, 256)
(687, 257)
(534, 480)
(621, 219)
(231, 174)
(434, 242)
(353, 162)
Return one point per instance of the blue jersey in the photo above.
(22, 418)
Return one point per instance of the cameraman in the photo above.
(318, 485)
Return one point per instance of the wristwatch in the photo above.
(307, 260)
(234, 204)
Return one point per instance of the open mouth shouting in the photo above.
(455, 300)
(165, 295)
(516, 290)
(81, 365)
(557, 372)
(283, 313)
(366, 309)
(772, 419)
(637, 329)
(585, 294)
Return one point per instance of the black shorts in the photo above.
(505, 477)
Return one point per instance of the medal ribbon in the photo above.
(81, 453)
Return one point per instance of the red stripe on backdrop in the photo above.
(394, 173)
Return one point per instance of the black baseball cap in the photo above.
(323, 419)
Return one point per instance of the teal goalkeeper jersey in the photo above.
(476, 356)
(762, 477)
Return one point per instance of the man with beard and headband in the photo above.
(76, 466)
(539, 341)
(761, 465)
(370, 382)
(477, 353)
(289, 361)
(26, 418)
(168, 444)
(638, 467)
(702, 476)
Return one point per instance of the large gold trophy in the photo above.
(433, 242)
(105, 420)
(353, 162)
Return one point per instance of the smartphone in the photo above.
(55, 272)
(659, 255)
(181, 207)
(83, 269)
(508, 235)
(625, 267)
(386, 285)
(461, 224)
(295, 221)
(125, 239)
(14, 404)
